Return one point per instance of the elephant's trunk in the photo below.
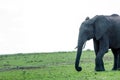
(79, 52)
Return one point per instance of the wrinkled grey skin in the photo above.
(105, 32)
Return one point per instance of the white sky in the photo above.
(47, 25)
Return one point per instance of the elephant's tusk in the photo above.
(84, 45)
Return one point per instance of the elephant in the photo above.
(105, 32)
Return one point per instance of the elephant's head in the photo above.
(90, 28)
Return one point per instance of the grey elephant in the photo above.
(105, 32)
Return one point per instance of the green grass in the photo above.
(55, 66)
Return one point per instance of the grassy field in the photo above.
(54, 66)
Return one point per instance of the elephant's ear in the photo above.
(101, 26)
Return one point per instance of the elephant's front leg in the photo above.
(103, 48)
(99, 62)
(96, 46)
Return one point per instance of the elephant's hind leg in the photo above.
(118, 62)
(116, 53)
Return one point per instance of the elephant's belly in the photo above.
(114, 44)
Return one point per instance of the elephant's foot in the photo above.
(114, 68)
(118, 69)
(99, 69)
(99, 65)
